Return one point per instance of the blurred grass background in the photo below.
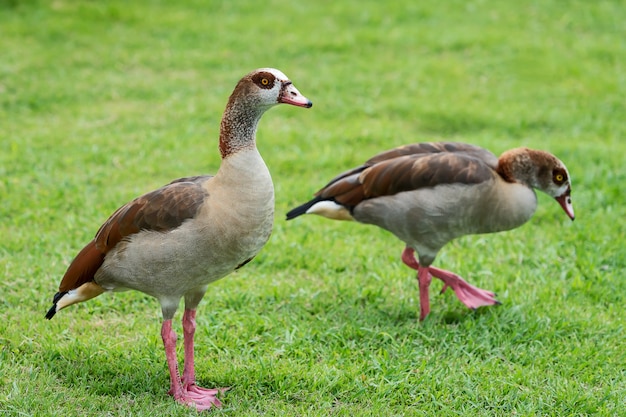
(102, 101)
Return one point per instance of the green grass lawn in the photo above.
(103, 100)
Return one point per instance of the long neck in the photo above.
(243, 175)
(238, 127)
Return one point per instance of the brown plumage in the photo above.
(406, 168)
(160, 210)
(172, 242)
(428, 194)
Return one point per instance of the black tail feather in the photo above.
(52, 311)
(55, 300)
(300, 210)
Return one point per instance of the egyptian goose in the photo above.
(428, 194)
(173, 242)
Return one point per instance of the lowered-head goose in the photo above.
(173, 242)
(427, 194)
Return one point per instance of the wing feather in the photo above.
(412, 172)
(160, 210)
(411, 167)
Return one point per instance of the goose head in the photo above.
(266, 87)
(557, 184)
(540, 170)
(253, 95)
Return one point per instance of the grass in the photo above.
(102, 101)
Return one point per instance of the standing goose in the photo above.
(428, 194)
(173, 242)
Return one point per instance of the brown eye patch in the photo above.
(264, 80)
(559, 176)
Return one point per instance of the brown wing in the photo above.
(412, 149)
(406, 168)
(83, 268)
(160, 210)
(409, 168)
(435, 148)
(413, 172)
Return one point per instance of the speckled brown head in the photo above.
(253, 95)
(540, 170)
(267, 87)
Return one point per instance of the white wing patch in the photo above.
(331, 210)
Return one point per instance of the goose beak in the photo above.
(289, 94)
(565, 200)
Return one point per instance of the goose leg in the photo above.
(423, 278)
(177, 390)
(472, 297)
(189, 373)
(408, 257)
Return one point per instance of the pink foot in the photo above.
(200, 398)
(472, 297)
(205, 391)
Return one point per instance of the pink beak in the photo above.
(290, 95)
(565, 200)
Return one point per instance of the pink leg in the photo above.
(469, 295)
(408, 257)
(189, 330)
(169, 341)
(177, 390)
(189, 373)
(423, 278)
